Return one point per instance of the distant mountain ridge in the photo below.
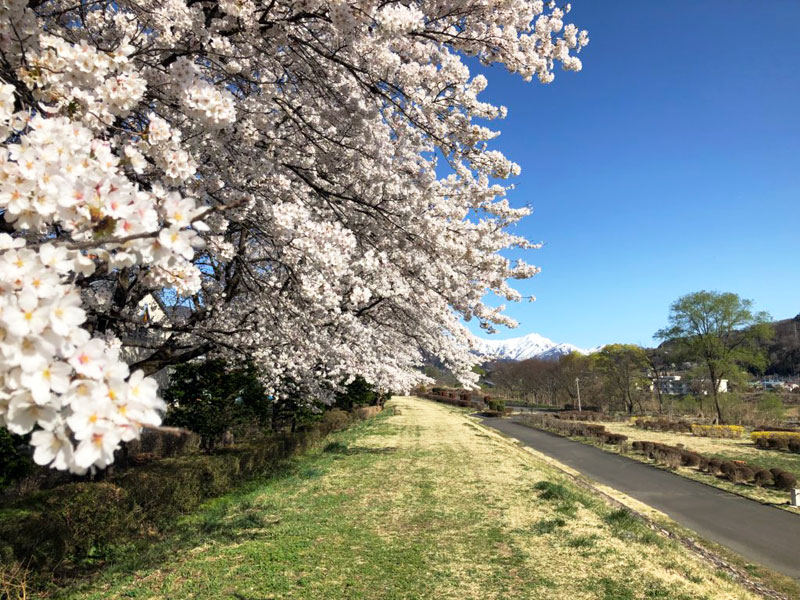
(528, 346)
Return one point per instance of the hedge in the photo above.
(449, 400)
(670, 456)
(82, 520)
(573, 428)
(778, 443)
(662, 425)
(782, 435)
(718, 431)
(580, 415)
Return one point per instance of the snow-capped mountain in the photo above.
(532, 345)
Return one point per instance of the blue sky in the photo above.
(670, 164)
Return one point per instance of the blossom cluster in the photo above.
(269, 175)
(72, 388)
(69, 387)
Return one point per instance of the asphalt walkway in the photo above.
(762, 534)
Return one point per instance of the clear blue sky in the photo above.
(670, 164)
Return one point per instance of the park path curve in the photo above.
(762, 534)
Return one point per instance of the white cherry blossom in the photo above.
(270, 175)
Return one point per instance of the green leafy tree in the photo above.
(624, 368)
(208, 398)
(720, 331)
(357, 393)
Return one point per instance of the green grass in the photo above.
(415, 505)
(264, 537)
(627, 526)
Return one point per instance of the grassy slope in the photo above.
(419, 504)
(727, 449)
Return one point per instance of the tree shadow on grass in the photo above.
(344, 449)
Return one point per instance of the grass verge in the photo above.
(422, 503)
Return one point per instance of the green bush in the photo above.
(334, 420)
(770, 407)
(209, 398)
(70, 521)
(15, 462)
(164, 444)
(358, 393)
(497, 405)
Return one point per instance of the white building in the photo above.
(675, 385)
(141, 343)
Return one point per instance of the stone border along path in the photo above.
(760, 533)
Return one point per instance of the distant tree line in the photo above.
(718, 336)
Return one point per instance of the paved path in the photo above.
(762, 534)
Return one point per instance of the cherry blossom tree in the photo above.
(304, 183)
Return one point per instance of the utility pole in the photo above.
(578, 387)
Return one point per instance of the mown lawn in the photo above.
(419, 502)
(724, 449)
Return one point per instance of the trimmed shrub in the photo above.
(564, 427)
(647, 448)
(778, 443)
(784, 435)
(497, 405)
(580, 415)
(775, 471)
(690, 459)
(164, 443)
(768, 429)
(448, 398)
(491, 413)
(762, 443)
(670, 457)
(334, 420)
(367, 412)
(785, 481)
(662, 425)
(739, 474)
(714, 466)
(615, 438)
(763, 477)
(718, 431)
(745, 474)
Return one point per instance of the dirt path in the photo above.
(759, 533)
